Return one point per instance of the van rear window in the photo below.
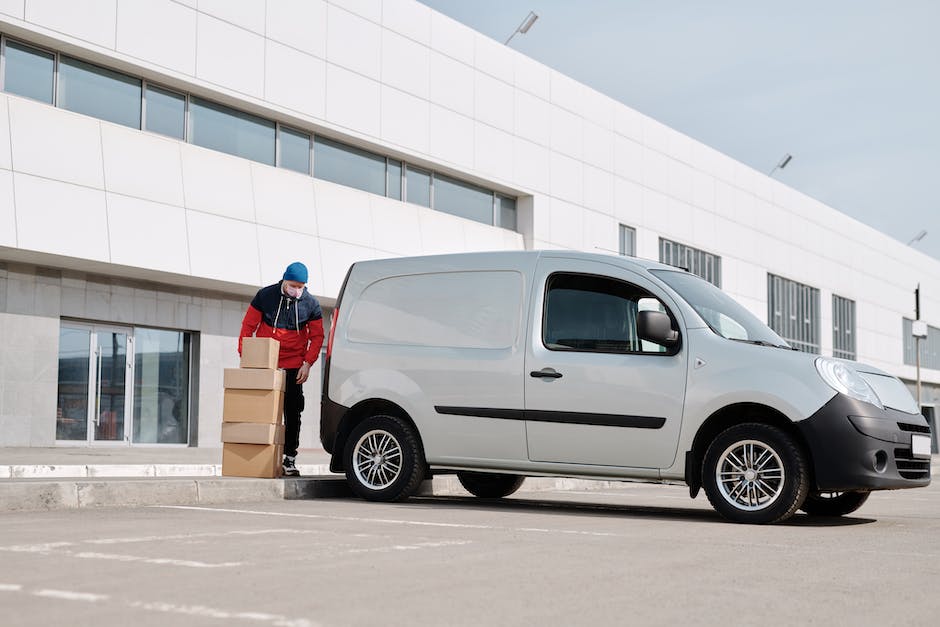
(445, 309)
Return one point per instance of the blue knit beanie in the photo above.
(296, 272)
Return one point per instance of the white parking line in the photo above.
(276, 620)
(68, 595)
(193, 536)
(392, 521)
(411, 547)
(211, 612)
(58, 549)
(160, 561)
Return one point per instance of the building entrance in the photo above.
(95, 373)
(122, 385)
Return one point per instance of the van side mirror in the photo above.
(656, 327)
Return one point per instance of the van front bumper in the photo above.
(856, 446)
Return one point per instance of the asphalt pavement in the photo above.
(627, 554)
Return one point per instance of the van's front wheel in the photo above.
(489, 485)
(755, 473)
(384, 459)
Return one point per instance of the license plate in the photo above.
(920, 445)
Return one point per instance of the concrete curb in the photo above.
(44, 494)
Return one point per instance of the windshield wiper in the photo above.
(762, 343)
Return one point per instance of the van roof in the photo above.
(468, 258)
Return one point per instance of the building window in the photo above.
(506, 211)
(393, 184)
(116, 97)
(228, 130)
(28, 72)
(418, 186)
(843, 327)
(165, 112)
(793, 312)
(294, 148)
(463, 199)
(698, 262)
(99, 92)
(627, 241)
(346, 165)
(929, 346)
(161, 386)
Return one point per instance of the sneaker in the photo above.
(290, 470)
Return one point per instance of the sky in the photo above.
(850, 88)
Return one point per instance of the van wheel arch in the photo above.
(728, 417)
(359, 412)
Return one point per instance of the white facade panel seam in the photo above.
(104, 176)
(9, 123)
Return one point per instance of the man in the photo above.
(291, 315)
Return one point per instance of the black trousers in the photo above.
(293, 406)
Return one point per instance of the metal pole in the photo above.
(917, 342)
(917, 361)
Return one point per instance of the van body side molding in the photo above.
(569, 417)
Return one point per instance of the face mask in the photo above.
(294, 292)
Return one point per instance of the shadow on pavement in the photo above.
(575, 508)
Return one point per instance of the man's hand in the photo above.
(303, 372)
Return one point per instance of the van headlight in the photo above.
(844, 379)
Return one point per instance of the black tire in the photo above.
(833, 503)
(764, 474)
(389, 456)
(489, 485)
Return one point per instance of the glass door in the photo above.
(95, 383)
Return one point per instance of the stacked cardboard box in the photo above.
(253, 406)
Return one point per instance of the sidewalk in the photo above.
(75, 477)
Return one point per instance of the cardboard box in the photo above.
(253, 379)
(265, 406)
(252, 433)
(260, 352)
(252, 460)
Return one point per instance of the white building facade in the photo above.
(162, 160)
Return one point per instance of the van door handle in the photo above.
(545, 373)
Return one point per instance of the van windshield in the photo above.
(723, 314)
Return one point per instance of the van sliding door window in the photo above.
(595, 314)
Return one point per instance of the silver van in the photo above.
(498, 366)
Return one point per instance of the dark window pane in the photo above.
(101, 93)
(698, 262)
(463, 199)
(339, 163)
(627, 241)
(507, 212)
(394, 179)
(221, 128)
(166, 112)
(418, 187)
(595, 314)
(161, 386)
(29, 72)
(72, 404)
(295, 151)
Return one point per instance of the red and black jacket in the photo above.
(297, 323)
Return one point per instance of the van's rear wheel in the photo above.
(384, 459)
(834, 503)
(489, 485)
(755, 473)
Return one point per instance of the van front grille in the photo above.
(903, 426)
(910, 467)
